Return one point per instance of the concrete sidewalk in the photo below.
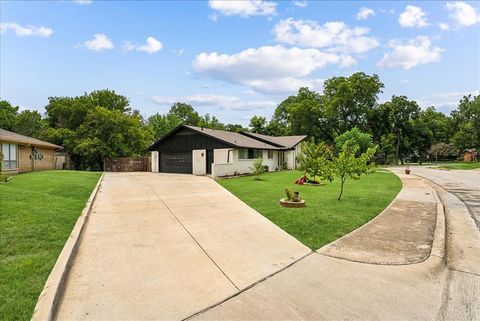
(321, 287)
(164, 246)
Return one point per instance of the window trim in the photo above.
(8, 163)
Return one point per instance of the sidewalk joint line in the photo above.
(193, 238)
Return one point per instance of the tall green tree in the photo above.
(8, 113)
(211, 122)
(401, 114)
(349, 100)
(160, 125)
(466, 121)
(438, 124)
(258, 124)
(30, 123)
(109, 133)
(186, 113)
(354, 137)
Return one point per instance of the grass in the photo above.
(462, 166)
(324, 219)
(37, 213)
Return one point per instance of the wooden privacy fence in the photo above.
(127, 164)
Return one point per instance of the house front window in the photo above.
(9, 152)
(270, 154)
(250, 153)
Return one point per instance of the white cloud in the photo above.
(99, 42)
(268, 69)
(404, 81)
(463, 13)
(365, 13)
(26, 30)
(445, 101)
(301, 3)
(83, 1)
(412, 53)
(334, 35)
(212, 100)
(413, 17)
(152, 46)
(243, 8)
(444, 26)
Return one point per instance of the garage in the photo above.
(178, 162)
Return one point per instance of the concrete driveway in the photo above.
(165, 246)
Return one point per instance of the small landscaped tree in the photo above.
(257, 167)
(348, 165)
(314, 159)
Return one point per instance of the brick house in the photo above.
(25, 154)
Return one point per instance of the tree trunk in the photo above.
(397, 150)
(341, 190)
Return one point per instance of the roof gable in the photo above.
(279, 141)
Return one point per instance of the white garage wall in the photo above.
(199, 161)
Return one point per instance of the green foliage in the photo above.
(349, 100)
(160, 125)
(109, 133)
(30, 123)
(289, 194)
(8, 113)
(348, 165)
(354, 137)
(258, 125)
(257, 167)
(466, 121)
(185, 113)
(314, 159)
(211, 122)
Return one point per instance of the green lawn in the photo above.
(37, 213)
(324, 219)
(460, 166)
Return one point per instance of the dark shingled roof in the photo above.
(11, 137)
(232, 138)
(279, 141)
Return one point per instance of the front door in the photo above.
(209, 160)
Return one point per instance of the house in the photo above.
(25, 154)
(196, 150)
(470, 155)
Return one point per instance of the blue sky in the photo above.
(235, 59)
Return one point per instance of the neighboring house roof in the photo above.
(279, 141)
(8, 136)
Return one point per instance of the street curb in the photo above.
(49, 298)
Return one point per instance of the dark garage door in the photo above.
(179, 162)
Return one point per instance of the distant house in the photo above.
(470, 155)
(196, 150)
(26, 154)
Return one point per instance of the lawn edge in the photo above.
(46, 306)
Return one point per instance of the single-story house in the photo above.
(196, 150)
(25, 154)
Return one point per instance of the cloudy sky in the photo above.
(235, 59)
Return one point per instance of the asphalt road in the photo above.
(465, 184)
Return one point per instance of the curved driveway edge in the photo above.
(402, 234)
(50, 296)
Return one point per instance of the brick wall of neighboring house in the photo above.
(47, 161)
